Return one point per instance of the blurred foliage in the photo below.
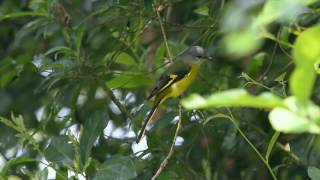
(74, 76)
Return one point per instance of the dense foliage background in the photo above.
(75, 74)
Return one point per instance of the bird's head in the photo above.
(195, 55)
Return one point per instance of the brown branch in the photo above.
(166, 159)
(163, 32)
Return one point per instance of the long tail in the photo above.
(147, 121)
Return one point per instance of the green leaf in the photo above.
(125, 59)
(41, 174)
(6, 78)
(255, 64)
(313, 173)
(202, 10)
(275, 10)
(287, 121)
(21, 14)
(80, 32)
(271, 144)
(93, 127)
(117, 167)
(160, 54)
(60, 151)
(241, 43)
(129, 81)
(296, 118)
(59, 49)
(317, 66)
(306, 53)
(235, 97)
(14, 162)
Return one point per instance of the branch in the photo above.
(231, 118)
(166, 159)
(160, 8)
(114, 99)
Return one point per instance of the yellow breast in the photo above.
(179, 87)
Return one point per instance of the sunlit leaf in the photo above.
(126, 59)
(286, 121)
(274, 10)
(238, 44)
(235, 98)
(317, 66)
(296, 118)
(202, 10)
(306, 52)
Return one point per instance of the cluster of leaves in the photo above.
(73, 76)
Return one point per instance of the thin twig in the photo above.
(231, 117)
(166, 159)
(164, 34)
(117, 102)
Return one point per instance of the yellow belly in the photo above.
(179, 87)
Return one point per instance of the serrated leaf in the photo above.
(93, 127)
(117, 167)
(235, 98)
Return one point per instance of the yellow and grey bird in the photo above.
(175, 80)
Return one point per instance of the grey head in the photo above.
(196, 51)
(194, 55)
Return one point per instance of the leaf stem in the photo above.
(231, 118)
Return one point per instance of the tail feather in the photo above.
(147, 121)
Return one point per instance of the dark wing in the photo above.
(169, 77)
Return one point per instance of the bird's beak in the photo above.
(209, 58)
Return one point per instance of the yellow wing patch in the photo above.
(172, 78)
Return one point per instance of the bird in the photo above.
(175, 80)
